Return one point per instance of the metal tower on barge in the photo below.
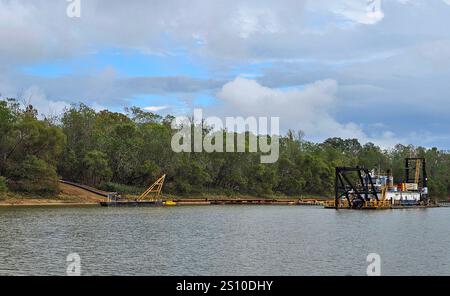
(359, 188)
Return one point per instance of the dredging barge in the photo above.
(152, 198)
(149, 198)
(359, 188)
(355, 188)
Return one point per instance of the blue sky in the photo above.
(374, 70)
(127, 63)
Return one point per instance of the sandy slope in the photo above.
(69, 195)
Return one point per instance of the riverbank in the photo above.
(73, 196)
(68, 195)
(17, 200)
(41, 202)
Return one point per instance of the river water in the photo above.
(223, 240)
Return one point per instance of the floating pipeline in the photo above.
(206, 201)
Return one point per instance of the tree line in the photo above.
(125, 152)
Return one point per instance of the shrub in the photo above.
(34, 175)
(3, 187)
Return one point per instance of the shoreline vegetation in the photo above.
(125, 152)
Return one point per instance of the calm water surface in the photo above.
(223, 240)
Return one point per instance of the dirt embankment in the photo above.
(69, 195)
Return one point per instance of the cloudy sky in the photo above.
(375, 70)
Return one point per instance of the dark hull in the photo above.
(131, 204)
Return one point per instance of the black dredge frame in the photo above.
(355, 191)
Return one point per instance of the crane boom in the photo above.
(154, 188)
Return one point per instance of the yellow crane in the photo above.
(155, 188)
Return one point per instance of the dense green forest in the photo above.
(125, 151)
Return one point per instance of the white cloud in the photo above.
(248, 21)
(367, 12)
(221, 29)
(309, 108)
(391, 63)
(35, 96)
(155, 108)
